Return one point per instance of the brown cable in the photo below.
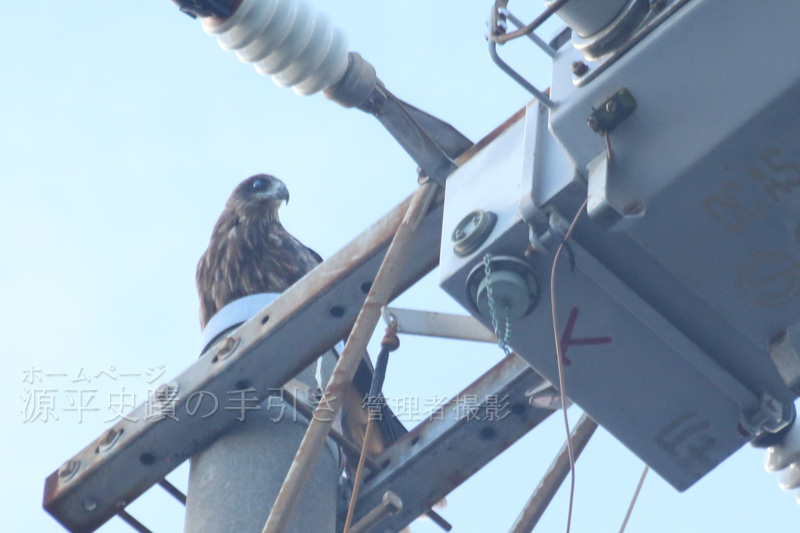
(359, 473)
(635, 496)
(389, 344)
(560, 362)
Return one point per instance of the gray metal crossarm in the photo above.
(263, 354)
(455, 442)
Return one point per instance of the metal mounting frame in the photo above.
(146, 451)
(441, 453)
(443, 325)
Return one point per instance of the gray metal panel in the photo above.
(697, 78)
(640, 376)
(649, 386)
(711, 151)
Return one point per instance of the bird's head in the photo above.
(261, 194)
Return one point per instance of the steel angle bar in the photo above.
(456, 441)
(433, 324)
(262, 354)
(554, 477)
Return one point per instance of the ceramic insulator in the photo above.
(287, 39)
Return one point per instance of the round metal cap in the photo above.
(472, 231)
(514, 287)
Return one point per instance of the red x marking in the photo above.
(567, 340)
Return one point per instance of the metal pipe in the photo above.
(379, 294)
(546, 48)
(505, 67)
(502, 38)
(553, 478)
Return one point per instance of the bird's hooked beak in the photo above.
(283, 194)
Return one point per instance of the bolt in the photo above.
(593, 123)
(472, 231)
(611, 106)
(90, 504)
(69, 469)
(657, 5)
(226, 348)
(579, 68)
(390, 504)
(109, 439)
(165, 393)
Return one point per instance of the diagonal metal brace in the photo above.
(432, 143)
(454, 442)
(442, 325)
(379, 295)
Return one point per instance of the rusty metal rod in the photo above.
(389, 505)
(135, 524)
(351, 509)
(353, 454)
(173, 490)
(379, 294)
(351, 451)
(389, 343)
(553, 478)
(437, 519)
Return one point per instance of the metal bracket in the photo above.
(601, 207)
(442, 325)
(207, 8)
(548, 239)
(783, 351)
(771, 416)
(613, 112)
(432, 143)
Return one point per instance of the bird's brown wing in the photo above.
(248, 257)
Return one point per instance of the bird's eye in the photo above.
(259, 185)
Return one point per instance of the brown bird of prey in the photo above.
(250, 252)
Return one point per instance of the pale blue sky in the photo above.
(123, 129)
